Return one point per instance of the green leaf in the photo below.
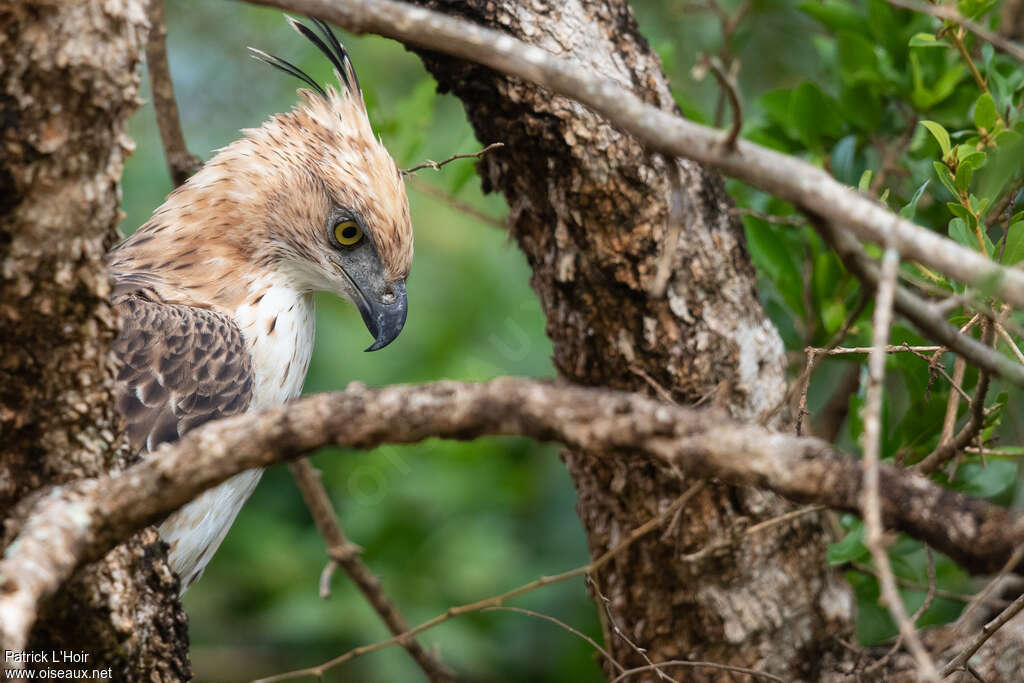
(946, 177)
(971, 157)
(926, 95)
(985, 481)
(925, 40)
(865, 181)
(909, 210)
(858, 62)
(1014, 251)
(850, 549)
(814, 115)
(985, 115)
(940, 135)
(959, 231)
(964, 173)
(844, 157)
(835, 15)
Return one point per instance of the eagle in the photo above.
(215, 290)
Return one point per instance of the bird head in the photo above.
(310, 199)
(339, 221)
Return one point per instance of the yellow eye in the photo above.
(348, 233)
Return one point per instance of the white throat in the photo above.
(278, 324)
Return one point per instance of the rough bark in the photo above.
(590, 207)
(68, 83)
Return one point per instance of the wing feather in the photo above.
(180, 367)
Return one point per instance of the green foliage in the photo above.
(899, 115)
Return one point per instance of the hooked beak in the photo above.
(384, 315)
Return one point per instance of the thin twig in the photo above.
(453, 202)
(693, 664)
(726, 81)
(761, 526)
(1001, 331)
(960, 661)
(180, 162)
(955, 381)
(951, 14)
(794, 220)
(345, 554)
(871, 503)
(607, 604)
(802, 384)
(939, 592)
(436, 165)
(985, 593)
(976, 420)
(497, 600)
(562, 624)
(890, 348)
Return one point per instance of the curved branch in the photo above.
(81, 521)
(784, 176)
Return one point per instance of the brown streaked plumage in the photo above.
(215, 290)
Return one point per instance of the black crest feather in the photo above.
(329, 44)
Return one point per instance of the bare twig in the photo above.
(951, 14)
(871, 503)
(436, 165)
(607, 604)
(784, 176)
(754, 673)
(795, 220)
(80, 521)
(976, 420)
(1010, 342)
(561, 624)
(960, 661)
(802, 384)
(497, 600)
(953, 402)
(426, 188)
(726, 81)
(983, 596)
(180, 162)
(757, 528)
(906, 583)
(345, 554)
(890, 348)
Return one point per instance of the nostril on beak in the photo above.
(389, 295)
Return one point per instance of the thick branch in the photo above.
(796, 181)
(79, 522)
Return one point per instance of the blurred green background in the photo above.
(447, 523)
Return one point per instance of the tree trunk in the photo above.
(590, 208)
(67, 87)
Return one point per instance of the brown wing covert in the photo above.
(179, 367)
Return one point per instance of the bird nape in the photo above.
(215, 291)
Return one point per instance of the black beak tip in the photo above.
(377, 345)
(385, 321)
